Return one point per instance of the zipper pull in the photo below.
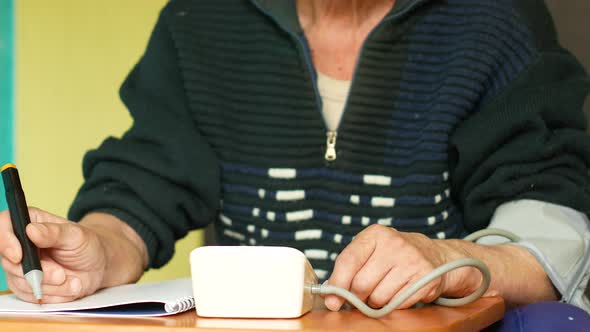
(331, 146)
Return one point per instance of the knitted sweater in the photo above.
(455, 107)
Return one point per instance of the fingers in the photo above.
(66, 236)
(9, 246)
(398, 280)
(426, 294)
(46, 231)
(53, 274)
(39, 216)
(388, 287)
(348, 264)
(380, 263)
(371, 274)
(393, 284)
(70, 290)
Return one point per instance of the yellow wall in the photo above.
(72, 56)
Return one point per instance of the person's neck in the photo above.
(336, 30)
(351, 14)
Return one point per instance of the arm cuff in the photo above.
(558, 236)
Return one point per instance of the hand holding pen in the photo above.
(76, 259)
(19, 215)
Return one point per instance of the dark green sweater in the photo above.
(456, 107)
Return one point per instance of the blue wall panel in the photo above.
(6, 93)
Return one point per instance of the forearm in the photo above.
(126, 253)
(517, 276)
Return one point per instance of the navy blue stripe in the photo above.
(412, 136)
(426, 145)
(307, 173)
(322, 215)
(475, 67)
(415, 158)
(327, 236)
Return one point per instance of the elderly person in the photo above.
(371, 135)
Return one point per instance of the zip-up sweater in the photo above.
(455, 107)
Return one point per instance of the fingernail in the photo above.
(75, 286)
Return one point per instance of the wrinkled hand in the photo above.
(73, 257)
(381, 262)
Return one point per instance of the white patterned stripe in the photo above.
(431, 220)
(309, 234)
(270, 215)
(346, 220)
(225, 219)
(368, 179)
(377, 201)
(299, 215)
(309, 214)
(234, 235)
(385, 221)
(316, 254)
(378, 180)
(382, 202)
(282, 173)
(290, 195)
(365, 221)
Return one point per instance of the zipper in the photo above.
(331, 135)
(331, 145)
(330, 154)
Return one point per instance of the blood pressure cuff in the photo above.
(559, 237)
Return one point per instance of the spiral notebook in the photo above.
(134, 300)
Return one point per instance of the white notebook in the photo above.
(136, 300)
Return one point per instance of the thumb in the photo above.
(66, 236)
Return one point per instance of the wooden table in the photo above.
(472, 317)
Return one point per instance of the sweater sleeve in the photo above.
(161, 177)
(528, 142)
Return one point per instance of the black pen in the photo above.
(19, 214)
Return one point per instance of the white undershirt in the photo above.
(554, 230)
(334, 93)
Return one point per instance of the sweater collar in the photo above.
(284, 12)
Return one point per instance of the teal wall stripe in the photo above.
(6, 94)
